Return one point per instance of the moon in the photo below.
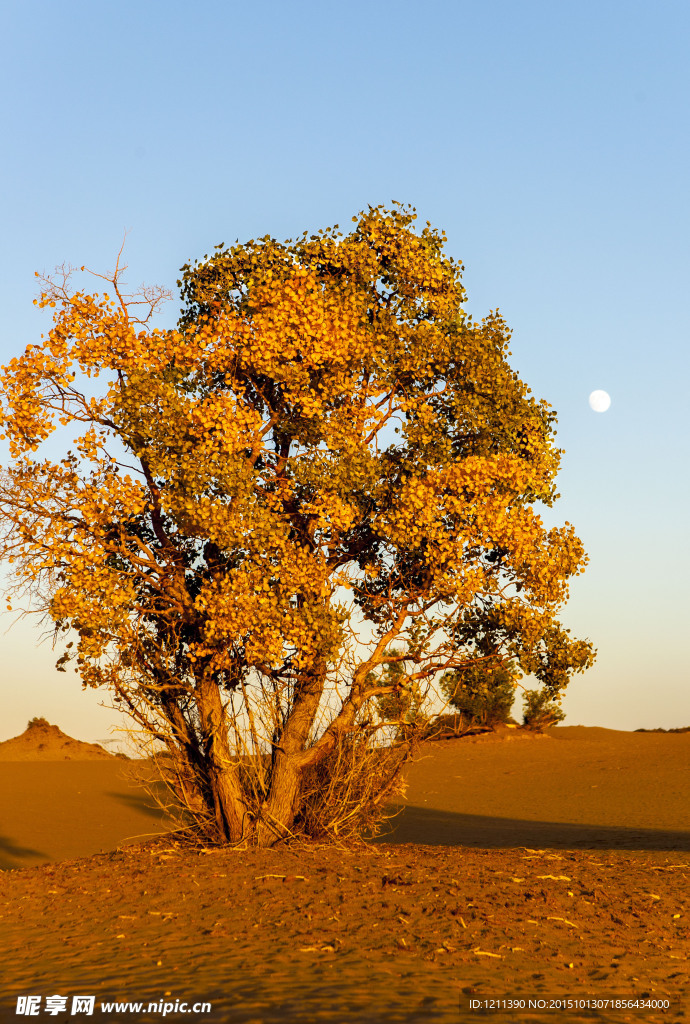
(599, 401)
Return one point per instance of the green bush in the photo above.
(482, 693)
(541, 710)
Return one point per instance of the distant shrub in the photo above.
(541, 710)
(403, 708)
(482, 693)
(682, 728)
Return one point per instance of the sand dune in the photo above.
(53, 810)
(572, 787)
(42, 741)
(575, 787)
(61, 798)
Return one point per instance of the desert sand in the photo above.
(524, 867)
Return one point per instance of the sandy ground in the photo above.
(51, 811)
(574, 787)
(62, 798)
(548, 868)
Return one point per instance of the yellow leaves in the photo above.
(296, 326)
(255, 602)
(330, 512)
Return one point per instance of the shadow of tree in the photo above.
(446, 828)
(10, 852)
(141, 802)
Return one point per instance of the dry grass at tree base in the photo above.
(342, 797)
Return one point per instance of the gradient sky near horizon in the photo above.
(549, 140)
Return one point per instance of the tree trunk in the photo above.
(282, 804)
(228, 805)
(279, 810)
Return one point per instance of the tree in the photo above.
(482, 692)
(327, 470)
(541, 709)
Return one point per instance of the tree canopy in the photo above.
(318, 490)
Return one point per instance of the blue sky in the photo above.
(549, 141)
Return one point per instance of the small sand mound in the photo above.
(42, 741)
(449, 727)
